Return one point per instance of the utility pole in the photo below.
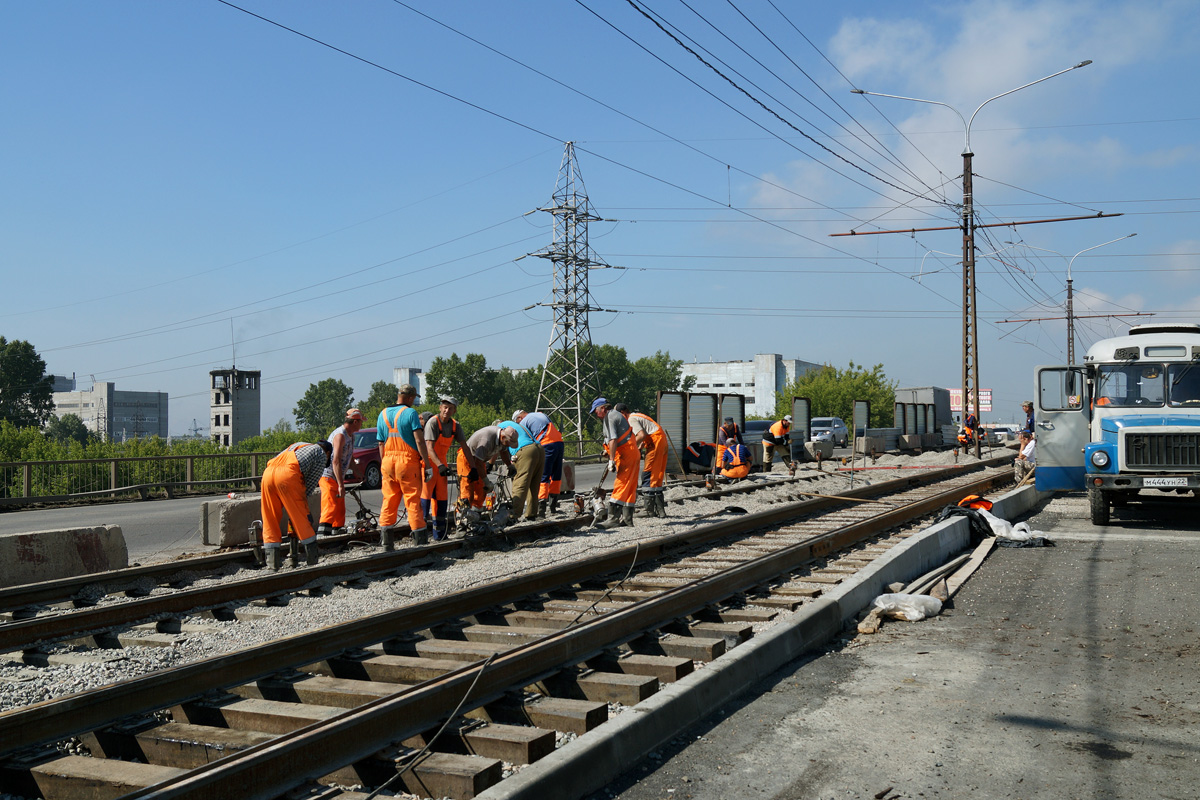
(569, 379)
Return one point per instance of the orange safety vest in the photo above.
(975, 501)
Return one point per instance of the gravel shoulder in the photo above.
(1065, 672)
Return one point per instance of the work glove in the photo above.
(428, 474)
(473, 475)
(443, 470)
(612, 466)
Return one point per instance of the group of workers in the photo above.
(414, 462)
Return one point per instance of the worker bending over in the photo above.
(651, 441)
(333, 479)
(727, 434)
(441, 431)
(778, 437)
(401, 453)
(623, 459)
(528, 458)
(735, 462)
(288, 480)
(547, 434)
(485, 445)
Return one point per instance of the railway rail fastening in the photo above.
(447, 696)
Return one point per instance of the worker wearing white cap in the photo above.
(333, 479)
(778, 437)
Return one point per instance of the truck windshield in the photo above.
(1184, 380)
(1140, 385)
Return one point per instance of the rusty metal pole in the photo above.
(970, 369)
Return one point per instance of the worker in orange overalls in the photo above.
(727, 433)
(401, 453)
(651, 440)
(778, 436)
(623, 458)
(485, 445)
(970, 431)
(286, 483)
(547, 434)
(736, 462)
(333, 479)
(441, 431)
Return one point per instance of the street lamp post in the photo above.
(970, 366)
(1070, 290)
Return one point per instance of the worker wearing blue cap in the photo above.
(624, 459)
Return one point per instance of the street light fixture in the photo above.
(970, 369)
(1070, 291)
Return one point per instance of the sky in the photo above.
(318, 190)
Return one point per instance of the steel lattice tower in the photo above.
(569, 379)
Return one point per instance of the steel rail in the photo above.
(55, 720)
(265, 771)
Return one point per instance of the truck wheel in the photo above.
(1098, 505)
(372, 477)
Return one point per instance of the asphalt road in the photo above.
(1064, 672)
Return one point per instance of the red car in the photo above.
(365, 464)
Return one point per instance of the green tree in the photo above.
(464, 379)
(831, 393)
(323, 407)
(68, 428)
(25, 388)
(517, 389)
(382, 395)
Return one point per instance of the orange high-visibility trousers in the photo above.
(402, 479)
(333, 508)
(437, 488)
(283, 490)
(473, 490)
(656, 458)
(627, 459)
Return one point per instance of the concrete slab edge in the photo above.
(590, 762)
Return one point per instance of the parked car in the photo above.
(364, 466)
(829, 429)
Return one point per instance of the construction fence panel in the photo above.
(671, 414)
(910, 419)
(801, 426)
(702, 418)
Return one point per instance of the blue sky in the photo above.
(180, 179)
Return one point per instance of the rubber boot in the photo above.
(312, 553)
(652, 503)
(627, 517)
(553, 504)
(338, 532)
(614, 516)
(768, 464)
(294, 551)
(662, 505)
(387, 538)
(274, 557)
(324, 528)
(441, 529)
(543, 505)
(421, 536)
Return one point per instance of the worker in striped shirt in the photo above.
(651, 441)
(289, 479)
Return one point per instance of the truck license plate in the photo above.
(1164, 482)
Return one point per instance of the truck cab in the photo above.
(1125, 420)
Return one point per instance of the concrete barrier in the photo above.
(49, 555)
(909, 441)
(226, 523)
(869, 444)
(824, 448)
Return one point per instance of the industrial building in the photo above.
(111, 413)
(759, 379)
(413, 375)
(236, 407)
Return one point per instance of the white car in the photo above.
(829, 429)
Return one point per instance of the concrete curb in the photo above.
(590, 762)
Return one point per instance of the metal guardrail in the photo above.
(24, 482)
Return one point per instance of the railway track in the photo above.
(509, 668)
(93, 605)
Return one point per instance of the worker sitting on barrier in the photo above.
(735, 462)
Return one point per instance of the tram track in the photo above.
(686, 598)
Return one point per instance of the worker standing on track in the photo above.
(547, 434)
(778, 436)
(401, 453)
(623, 458)
(651, 441)
(286, 483)
(333, 479)
(485, 445)
(441, 431)
(528, 460)
(726, 434)
(735, 462)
